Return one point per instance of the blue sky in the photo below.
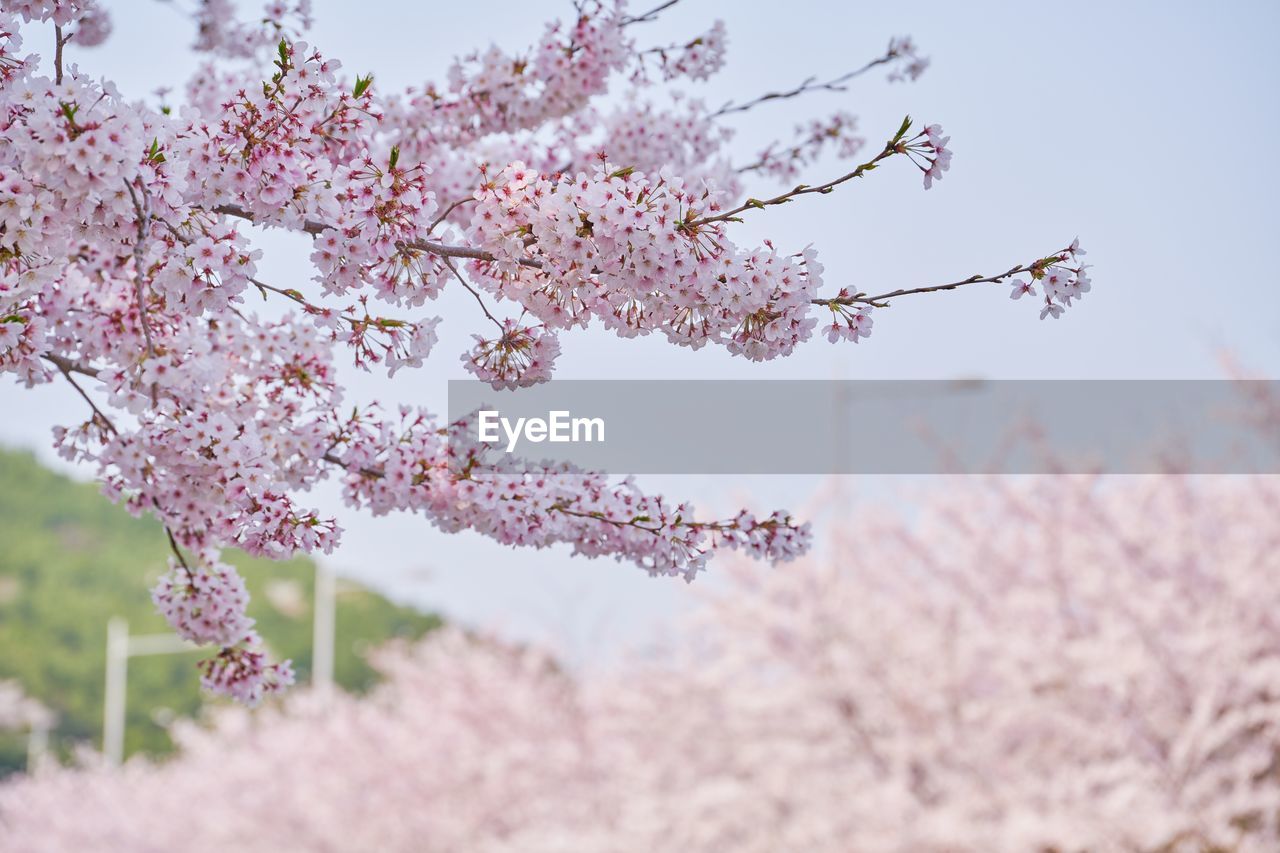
(1145, 128)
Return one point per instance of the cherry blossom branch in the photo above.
(651, 15)
(297, 297)
(315, 228)
(743, 523)
(810, 84)
(447, 211)
(310, 307)
(892, 147)
(616, 522)
(142, 209)
(67, 367)
(66, 364)
(479, 299)
(1035, 268)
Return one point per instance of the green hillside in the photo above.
(70, 560)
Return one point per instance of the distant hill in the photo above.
(70, 560)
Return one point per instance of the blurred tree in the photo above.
(1052, 664)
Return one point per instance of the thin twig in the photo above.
(880, 299)
(448, 210)
(597, 516)
(98, 415)
(891, 148)
(809, 85)
(651, 15)
(173, 543)
(67, 367)
(301, 300)
(473, 292)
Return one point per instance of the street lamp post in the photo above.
(121, 647)
(323, 629)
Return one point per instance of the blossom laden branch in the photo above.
(120, 235)
(926, 149)
(1063, 283)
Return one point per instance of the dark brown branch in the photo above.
(66, 365)
(59, 41)
(314, 227)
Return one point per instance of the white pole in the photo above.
(113, 702)
(323, 635)
(37, 746)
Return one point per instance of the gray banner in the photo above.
(880, 427)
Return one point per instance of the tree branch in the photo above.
(651, 15)
(59, 41)
(892, 147)
(809, 85)
(880, 299)
(315, 227)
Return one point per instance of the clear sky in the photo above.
(1147, 128)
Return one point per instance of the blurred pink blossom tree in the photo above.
(1037, 664)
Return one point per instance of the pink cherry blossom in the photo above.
(129, 273)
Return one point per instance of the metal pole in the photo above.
(323, 635)
(113, 702)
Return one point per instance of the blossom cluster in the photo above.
(1062, 282)
(220, 32)
(92, 24)
(206, 605)
(811, 141)
(928, 150)
(492, 91)
(628, 249)
(698, 59)
(521, 356)
(410, 462)
(908, 63)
